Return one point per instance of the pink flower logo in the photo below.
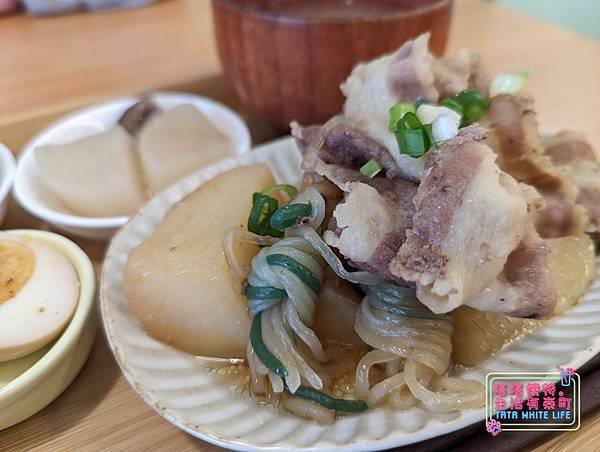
(493, 427)
(570, 370)
(565, 375)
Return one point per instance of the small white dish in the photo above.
(179, 387)
(48, 374)
(7, 176)
(34, 197)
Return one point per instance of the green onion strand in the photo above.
(289, 215)
(410, 121)
(341, 405)
(262, 352)
(264, 293)
(405, 311)
(305, 275)
(263, 207)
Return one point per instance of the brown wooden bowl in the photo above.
(286, 61)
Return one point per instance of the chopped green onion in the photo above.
(420, 102)
(411, 121)
(450, 103)
(341, 405)
(428, 129)
(474, 111)
(508, 83)
(412, 142)
(262, 352)
(289, 190)
(427, 114)
(397, 112)
(289, 215)
(410, 135)
(264, 293)
(468, 96)
(470, 103)
(263, 207)
(370, 169)
(305, 275)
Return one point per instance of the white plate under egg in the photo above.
(181, 390)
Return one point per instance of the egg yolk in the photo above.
(17, 263)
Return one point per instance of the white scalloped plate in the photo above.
(181, 390)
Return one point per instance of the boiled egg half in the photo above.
(39, 291)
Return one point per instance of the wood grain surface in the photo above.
(54, 65)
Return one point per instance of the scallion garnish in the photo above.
(411, 137)
(412, 142)
(411, 121)
(451, 103)
(470, 103)
(428, 129)
(370, 169)
(397, 112)
(508, 83)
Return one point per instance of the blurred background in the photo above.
(62, 54)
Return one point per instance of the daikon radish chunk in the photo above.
(478, 335)
(96, 176)
(178, 142)
(178, 283)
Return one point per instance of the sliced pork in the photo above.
(409, 74)
(570, 152)
(369, 226)
(525, 287)
(470, 218)
(514, 137)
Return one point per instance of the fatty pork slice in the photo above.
(342, 144)
(571, 152)
(470, 217)
(513, 135)
(370, 224)
(368, 227)
(525, 287)
(407, 75)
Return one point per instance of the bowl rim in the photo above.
(27, 153)
(7, 176)
(275, 16)
(85, 305)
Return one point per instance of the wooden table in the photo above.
(54, 65)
